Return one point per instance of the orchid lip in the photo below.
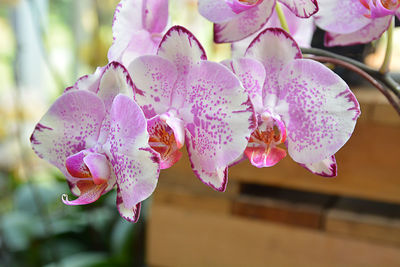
(89, 166)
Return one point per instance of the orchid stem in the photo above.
(389, 48)
(281, 16)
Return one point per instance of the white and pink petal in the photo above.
(182, 48)
(131, 214)
(219, 119)
(127, 21)
(154, 79)
(252, 75)
(326, 167)
(318, 109)
(134, 163)
(368, 33)
(274, 48)
(341, 16)
(72, 124)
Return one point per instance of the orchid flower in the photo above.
(137, 29)
(235, 20)
(192, 100)
(301, 29)
(298, 102)
(98, 139)
(355, 21)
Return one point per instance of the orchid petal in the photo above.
(154, 79)
(260, 158)
(182, 48)
(130, 214)
(135, 164)
(370, 32)
(301, 8)
(341, 16)
(326, 167)
(219, 118)
(244, 24)
(88, 193)
(155, 17)
(127, 21)
(142, 43)
(89, 82)
(318, 108)
(274, 48)
(115, 80)
(252, 75)
(162, 140)
(216, 10)
(71, 125)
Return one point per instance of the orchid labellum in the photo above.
(89, 134)
(235, 20)
(298, 102)
(355, 21)
(194, 101)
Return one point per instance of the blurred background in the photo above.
(281, 216)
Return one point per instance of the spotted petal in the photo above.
(71, 125)
(135, 164)
(274, 48)
(154, 78)
(341, 16)
(326, 167)
(301, 8)
(182, 48)
(318, 109)
(219, 119)
(368, 33)
(252, 75)
(244, 24)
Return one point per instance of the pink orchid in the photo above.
(301, 29)
(192, 100)
(137, 29)
(355, 21)
(299, 102)
(236, 19)
(97, 137)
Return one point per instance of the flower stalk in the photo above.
(281, 16)
(389, 48)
